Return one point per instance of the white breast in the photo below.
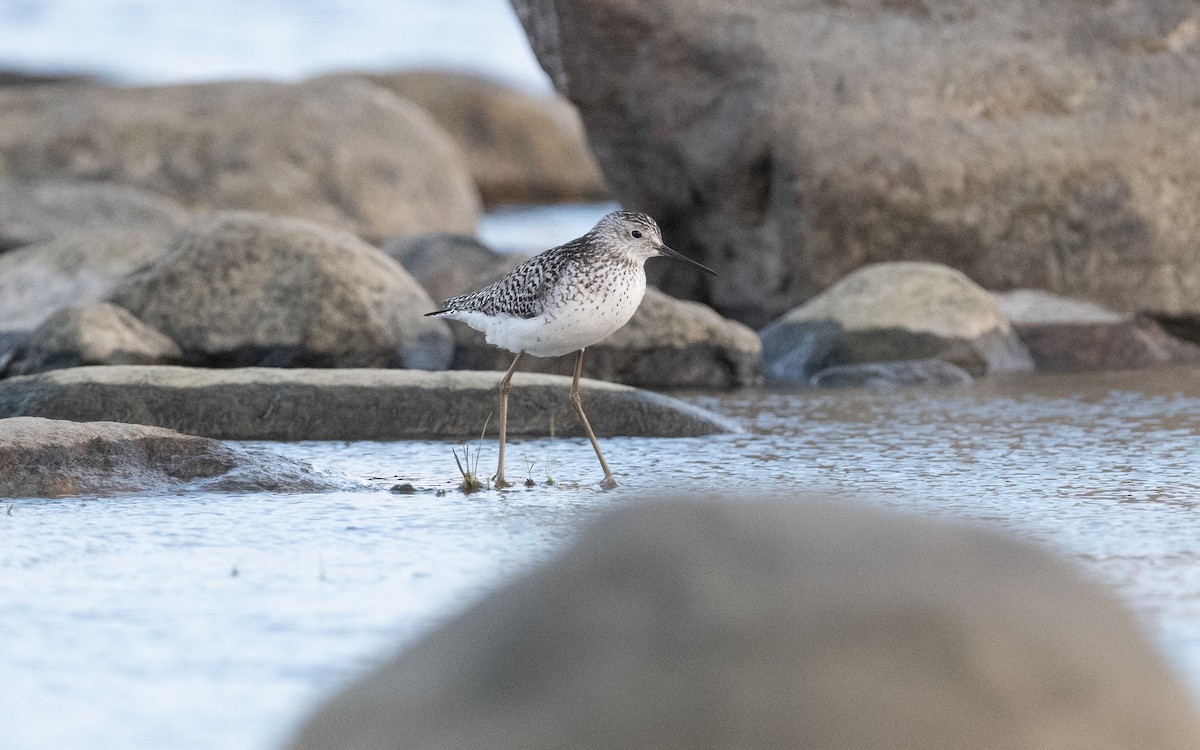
(571, 321)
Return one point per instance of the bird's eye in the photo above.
(637, 235)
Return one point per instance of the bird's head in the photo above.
(638, 236)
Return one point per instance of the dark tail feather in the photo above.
(437, 312)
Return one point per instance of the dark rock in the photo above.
(750, 624)
(520, 148)
(403, 489)
(339, 152)
(50, 458)
(241, 289)
(1065, 335)
(916, 372)
(73, 269)
(353, 404)
(785, 144)
(96, 334)
(10, 78)
(894, 311)
(41, 210)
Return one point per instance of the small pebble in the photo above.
(403, 489)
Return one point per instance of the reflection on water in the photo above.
(212, 621)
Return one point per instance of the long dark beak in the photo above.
(679, 256)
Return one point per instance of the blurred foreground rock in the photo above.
(894, 311)
(520, 148)
(749, 624)
(96, 334)
(244, 289)
(784, 144)
(343, 153)
(354, 404)
(40, 210)
(1067, 335)
(50, 458)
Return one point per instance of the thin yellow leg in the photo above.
(505, 387)
(609, 482)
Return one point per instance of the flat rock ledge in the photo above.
(55, 458)
(348, 404)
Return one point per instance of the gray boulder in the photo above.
(51, 458)
(243, 289)
(750, 624)
(40, 210)
(356, 404)
(668, 343)
(520, 148)
(339, 152)
(894, 311)
(448, 265)
(1067, 335)
(72, 269)
(903, 373)
(95, 334)
(786, 143)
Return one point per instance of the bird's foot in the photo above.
(500, 483)
(609, 483)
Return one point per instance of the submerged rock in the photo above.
(894, 311)
(913, 372)
(244, 289)
(751, 624)
(519, 148)
(448, 265)
(786, 143)
(352, 404)
(53, 458)
(1067, 335)
(343, 153)
(96, 334)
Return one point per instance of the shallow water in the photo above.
(200, 621)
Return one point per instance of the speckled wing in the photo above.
(520, 292)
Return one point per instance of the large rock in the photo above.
(72, 269)
(359, 404)
(339, 152)
(904, 373)
(894, 311)
(520, 148)
(744, 624)
(41, 210)
(239, 289)
(96, 334)
(668, 343)
(51, 458)
(1067, 335)
(786, 143)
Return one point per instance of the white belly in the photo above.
(564, 328)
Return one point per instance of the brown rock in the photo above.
(243, 289)
(520, 148)
(96, 334)
(786, 143)
(894, 311)
(1065, 335)
(41, 210)
(50, 458)
(750, 624)
(342, 153)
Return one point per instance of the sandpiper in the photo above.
(564, 300)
